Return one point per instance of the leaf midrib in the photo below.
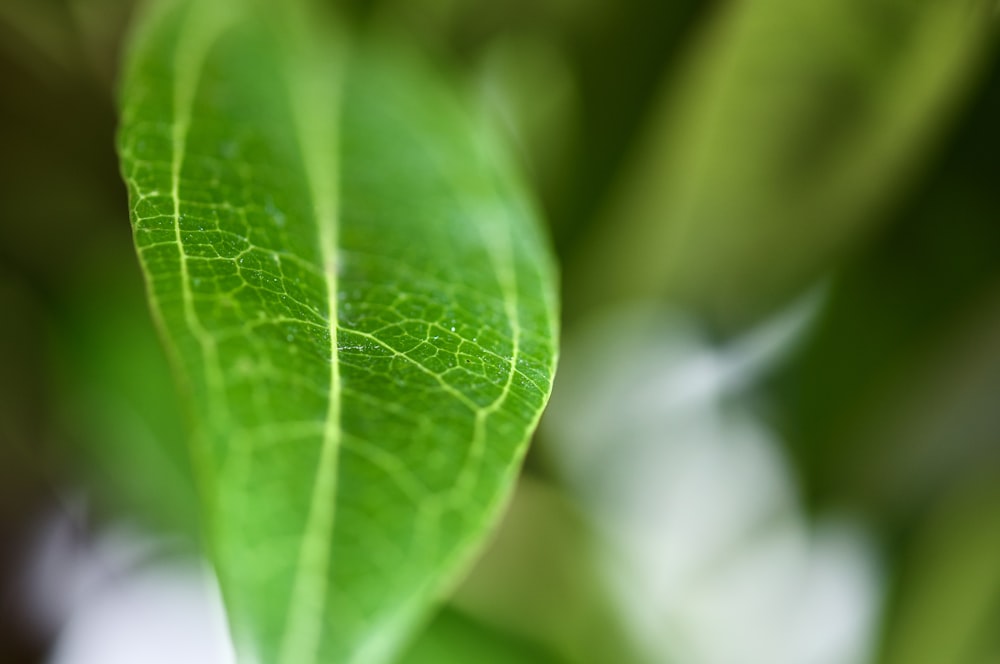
(199, 31)
(318, 140)
(314, 92)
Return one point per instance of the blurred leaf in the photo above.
(892, 398)
(119, 402)
(43, 152)
(585, 68)
(453, 637)
(621, 53)
(40, 34)
(949, 599)
(64, 38)
(792, 127)
(99, 25)
(917, 419)
(539, 581)
(528, 84)
(361, 309)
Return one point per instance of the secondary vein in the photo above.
(201, 29)
(197, 38)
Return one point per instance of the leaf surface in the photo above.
(359, 305)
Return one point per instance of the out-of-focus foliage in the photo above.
(790, 127)
(949, 581)
(122, 423)
(908, 346)
(712, 159)
(454, 638)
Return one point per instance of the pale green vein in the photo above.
(200, 31)
(314, 85)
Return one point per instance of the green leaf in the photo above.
(360, 307)
(952, 561)
(455, 637)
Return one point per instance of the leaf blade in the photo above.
(326, 351)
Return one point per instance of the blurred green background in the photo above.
(711, 165)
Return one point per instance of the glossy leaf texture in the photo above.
(359, 304)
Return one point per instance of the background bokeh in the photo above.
(774, 435)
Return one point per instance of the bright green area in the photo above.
(360, 305)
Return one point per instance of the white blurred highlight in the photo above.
(708, 554)
(123, 597)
